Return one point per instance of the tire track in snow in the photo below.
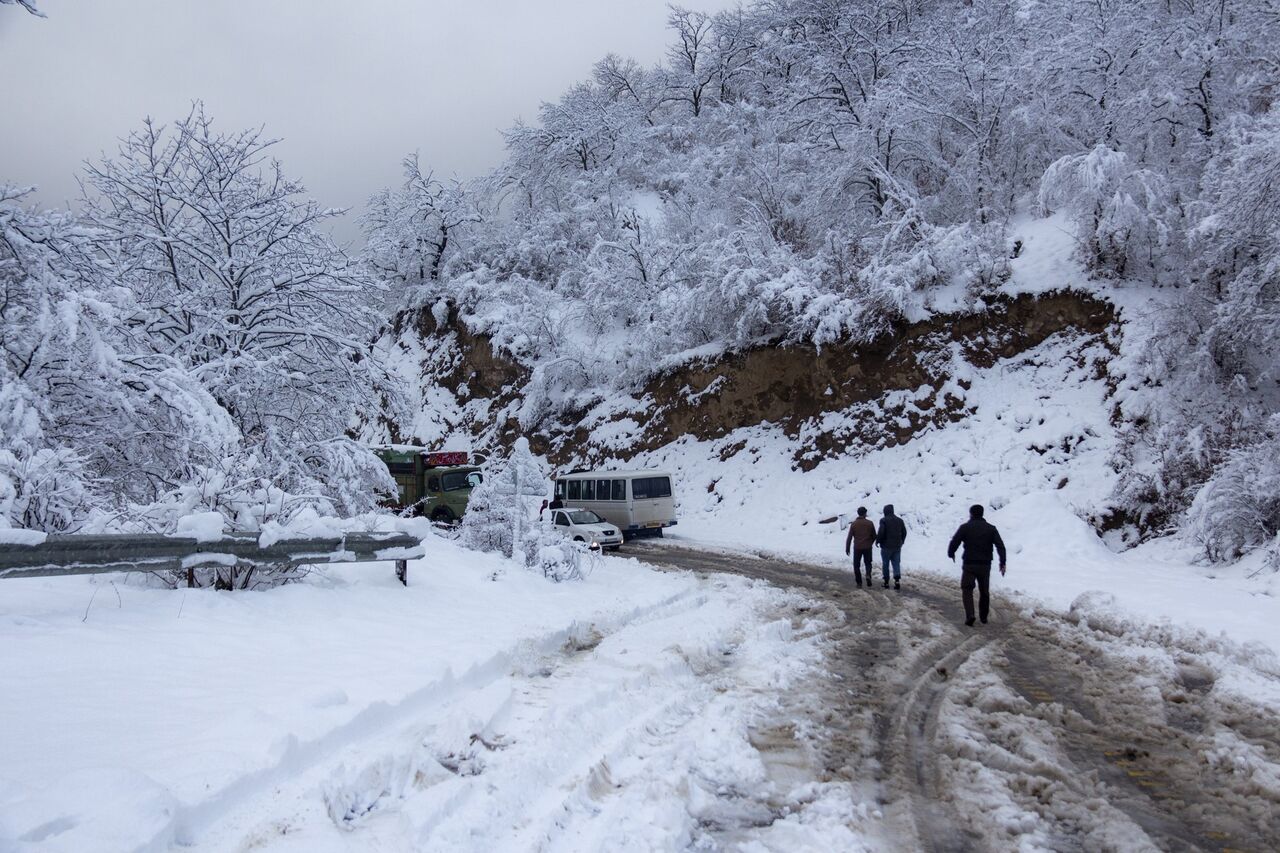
(243, 807)
(1128, 757)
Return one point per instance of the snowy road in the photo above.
(1038, 731)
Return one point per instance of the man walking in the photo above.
(978, 538)
(890, 536)
(862, 536)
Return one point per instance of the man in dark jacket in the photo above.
(978, 538)
(890, 536)
(862, 536)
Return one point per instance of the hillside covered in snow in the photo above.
(1048, 228)
(852, 223)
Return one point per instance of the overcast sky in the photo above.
(350, 86)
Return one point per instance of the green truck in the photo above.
(436, 484)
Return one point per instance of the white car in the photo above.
(583, 525)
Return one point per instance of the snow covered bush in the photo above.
(504, 498)
(488, 524)
(552, 554)
(1125, 221)
(1238, 509)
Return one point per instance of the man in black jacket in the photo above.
(890, 536)
(978, 538)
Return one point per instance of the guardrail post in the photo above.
(402, 571)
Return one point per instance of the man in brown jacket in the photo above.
(862, 537)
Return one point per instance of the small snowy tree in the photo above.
(499, 514)
(488, 525)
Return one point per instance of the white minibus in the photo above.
(638, 502)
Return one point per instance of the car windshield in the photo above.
(584, 516)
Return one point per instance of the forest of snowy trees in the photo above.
(794, 170)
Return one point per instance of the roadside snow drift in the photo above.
(136, 717)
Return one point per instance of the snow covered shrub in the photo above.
(40, 489)
(553, 554)
(1124, 218)
(1239, 508)
(491, 522)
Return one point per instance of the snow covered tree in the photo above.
(499, 517)
(410, 230)
(88, 421)
(232, 278)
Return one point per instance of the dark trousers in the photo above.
(981, 575)
(861, 556)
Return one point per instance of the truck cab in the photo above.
(436, 484)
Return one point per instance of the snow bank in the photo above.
(133, 720)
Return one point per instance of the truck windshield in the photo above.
(455, 480)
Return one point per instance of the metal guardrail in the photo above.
(88, 554)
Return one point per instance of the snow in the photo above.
(142, 717)
(21, 536)
(306, 524)
(1047, 261)
(201, 526)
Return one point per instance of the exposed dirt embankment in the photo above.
(473, 361)
(789, 386)
(792, 387)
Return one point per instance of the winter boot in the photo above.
(969, 621)
(896, 584)
(886, 583)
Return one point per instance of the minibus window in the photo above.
(602, 490)
(575, 490)
(651, 487)
(619, 490)
(588, 490)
